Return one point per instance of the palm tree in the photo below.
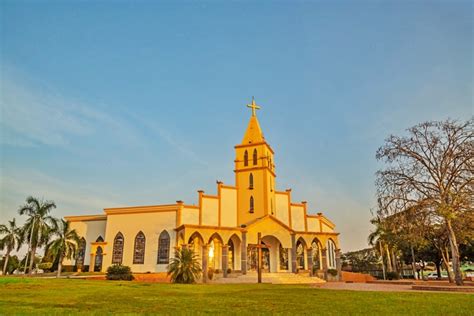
(184, 267)
(10, 241)
(38, 226)
(65, 245)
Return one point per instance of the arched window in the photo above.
(230, 255)
(331, 254)
(81, 253)
(99, 253)
(283, 258)
(251, 204)
(315, 254)
(99, 239)
(299, 255)
(139, 249)
(251, 181)
(246, 158)
(117, 253)
(164, 248)
(254, 157)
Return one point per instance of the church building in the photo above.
(221, 228)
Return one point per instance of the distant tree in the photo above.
(430, 170)
(363, 260)
(12, 265)
(38, 226)
(65, 245)
(184, 267)
(11, 240)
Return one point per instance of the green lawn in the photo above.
(63, 296)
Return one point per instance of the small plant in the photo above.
(392, 275)
(210, 273)
(332, 272)
(119, 272)
(184, 267)
(229, 270)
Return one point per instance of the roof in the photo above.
(253, 134)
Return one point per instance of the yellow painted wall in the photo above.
(297, 218)
(190, 216)
(90, 230)
(228, 207)
(326, 229)
(151, 224)
(313, 224)
(210, 210)
(282, 208)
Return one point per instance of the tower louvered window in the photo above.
(251, 204)
(255, 157)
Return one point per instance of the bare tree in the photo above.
(431, 170)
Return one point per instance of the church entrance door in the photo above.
(252, 257)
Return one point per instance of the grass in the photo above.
(75, 296)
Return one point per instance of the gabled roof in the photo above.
(269, 217)
(253, 134)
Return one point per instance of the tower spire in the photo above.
(254, 107)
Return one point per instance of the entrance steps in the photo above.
(273, 278)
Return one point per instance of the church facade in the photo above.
(221, 228)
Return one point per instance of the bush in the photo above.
(210, 273)
(332, 272)
(229, 270)
(119, 272)
(315, 270)
(45, 266)
(392, 275)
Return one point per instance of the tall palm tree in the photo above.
(38, 226)
(184, 267)
(10, 241)
(65, 245)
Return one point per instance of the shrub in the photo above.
(119, 272)
(229, 270)
(315, 270)
(45, 266)
(216, 271)
(210, 273)
(184, 267)
(332, 272)
(392, 275)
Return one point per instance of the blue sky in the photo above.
(133, 103)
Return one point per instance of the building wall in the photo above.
(313, 224)
(210, 211)
(228, 207)
(151, 224)
(90, 230)
(281, 212)
(190, 216)
(297, 218)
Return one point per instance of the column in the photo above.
(204, 262)
(225, 259)
(92, 263)
(310, 261)
(324, 263)
(243, 253)
(293, 253)
(339, 264)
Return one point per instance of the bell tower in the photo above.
(254, 173)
